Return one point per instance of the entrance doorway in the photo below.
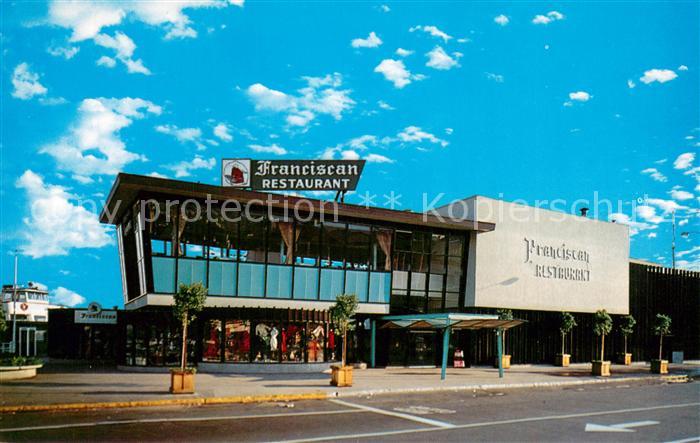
(27, 341)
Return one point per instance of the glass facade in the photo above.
(259, 255)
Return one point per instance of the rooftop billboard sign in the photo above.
(291, 175)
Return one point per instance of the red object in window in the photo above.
(331, 339)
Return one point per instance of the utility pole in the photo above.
(14, 309)
(673, 242)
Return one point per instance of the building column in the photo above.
(373, 344)
(499, 351)
(445, 350)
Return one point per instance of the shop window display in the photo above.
(237, 348)
(267, 341)
(292, 343)
(155, 347)
(315, 342)
(211, 341)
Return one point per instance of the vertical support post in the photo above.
(445, 350)
(499, 351)
(373, 344)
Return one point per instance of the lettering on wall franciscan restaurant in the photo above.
(557, 261)
(94, 314)
(300, 175)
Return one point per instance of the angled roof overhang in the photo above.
(443, 320)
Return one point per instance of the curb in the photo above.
(242, 399)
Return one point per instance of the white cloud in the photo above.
(401, 52)
(271, 149)
(682, 68)
(658, 75)
(349, 155)
(96, 131)
(185, 168)
(67, 52)
(655, 174)
(55, 223)
(320, 96)
(66, 297)
(124, 48)
(648, 213)
(223, 132)
(495, 77)
(432, 30)
(439, 59)
(681, 195)
(395, 71)
(501, 20)
(634, 226)
(651, 235)
(26, 83)
(631, 84)
(183, 135)
(579, 96)
(108, 62)
(414, 134)
(550, 17)
(684, 161)
(667, 206)
(86, 18)
(372, 41)
(378, 158)
(384, 105)
(385, 8)
(449, 131)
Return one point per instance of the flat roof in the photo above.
(128, 188)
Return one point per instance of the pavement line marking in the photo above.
(686, 440)
(425, 421)
(490, 423)
(619, 427)
(174, 419)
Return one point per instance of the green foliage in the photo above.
(3, 323)
(20, 361)
(662, 325)
(343, 311)
(567, 323)
(627, 325)
(602, 323)
(504, 314)
(189, 301)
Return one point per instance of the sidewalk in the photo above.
(51, 387)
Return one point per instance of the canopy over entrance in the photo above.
(446, 322)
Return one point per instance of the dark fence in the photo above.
(653, 289)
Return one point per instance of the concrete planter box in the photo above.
(341, 376)
(624, 359)
(18, 372)
(659, 366)
(601, 368)
(562, 360)
(181, 382)
(505, 360)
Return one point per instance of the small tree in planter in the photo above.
(188, 302)
(341, 315)
(627, 329)
(567, 324)
(602, 325)
(504, 314)
(661, 327)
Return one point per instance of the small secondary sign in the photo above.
(287, 175)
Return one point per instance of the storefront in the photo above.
(274, 264)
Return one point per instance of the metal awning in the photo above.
(446, 322)
(443, 320)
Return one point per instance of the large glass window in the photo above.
(333, 245)
(357, 250)
(292, 343)
(381, 249)
(211, 341)
(315, 342)
(192, 228)
(454, 271)
(252, 240)
(237, 348)
(308, 243)
(223, 235)
(402, 251)
(161, 229)
(280, 240)
(266, 342)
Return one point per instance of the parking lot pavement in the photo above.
(646, 411)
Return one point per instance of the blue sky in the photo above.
(532, 101)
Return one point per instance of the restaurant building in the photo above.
(273, 264)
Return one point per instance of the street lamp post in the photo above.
(14, 309)
(673, 242)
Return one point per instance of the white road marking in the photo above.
(425, 421)
(174, 419)
(493, 423)
(424, 410)
(686, 440)
(620, 427)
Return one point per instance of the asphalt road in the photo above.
(649, 411)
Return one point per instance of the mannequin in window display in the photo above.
(273, 342)
(331, 343)
(212, 350)
(262, 332)
(315, 344)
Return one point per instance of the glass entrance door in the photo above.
(27, 342)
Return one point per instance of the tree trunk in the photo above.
(345, 346)
(563, 343)
(503, 335)
(183, 359)
(661, 344)
(602, 347)
(625, 344)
